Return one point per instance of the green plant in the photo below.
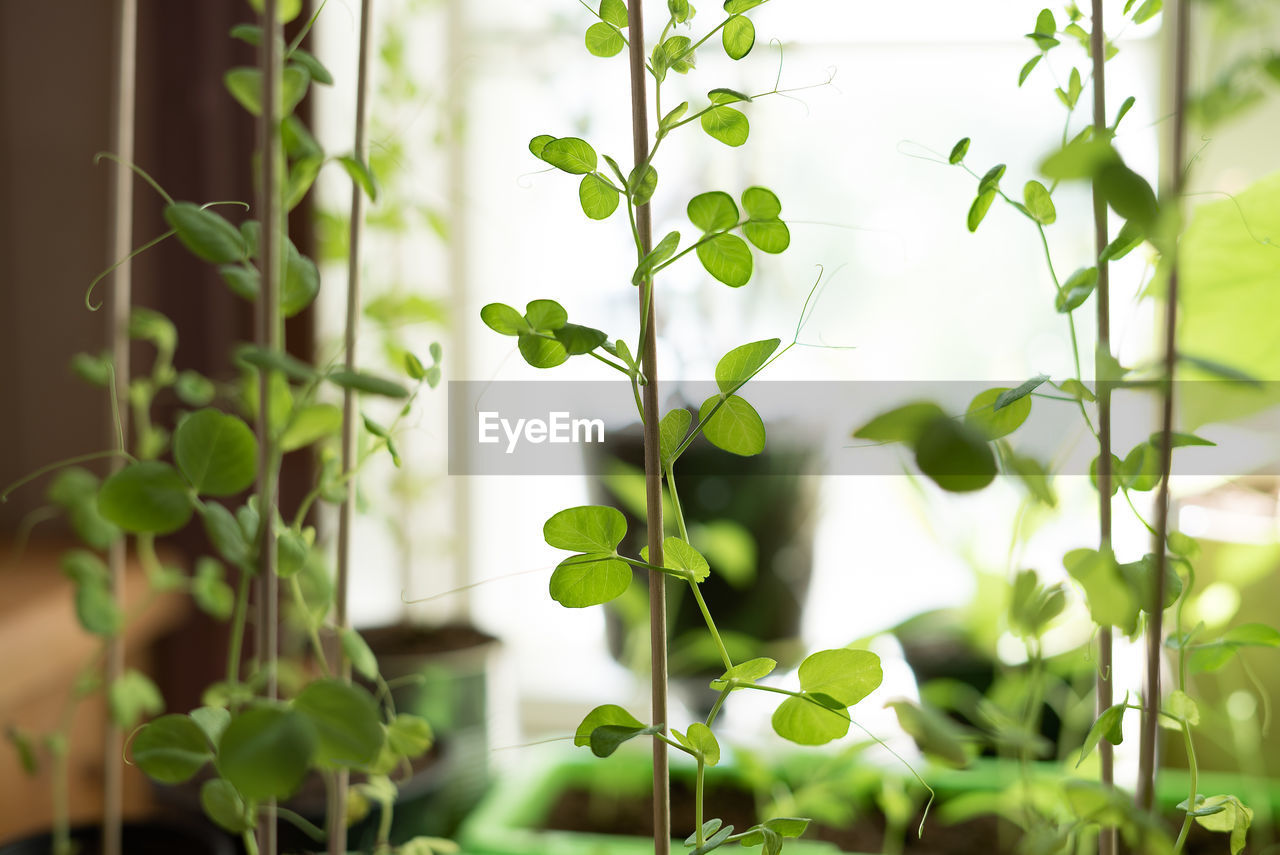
(965, 455)
(270, 723)
(830, 681)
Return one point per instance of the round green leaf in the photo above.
(1115, 473)
(761, 203)
(727, 258)
(578, 339)
(171, 749)
(958, 151)
(598, 196)
(904, 424)
(301, 282)
(503, 319)
(570, 154)
(604, 40)
(804, 721)
(771, 236)
(1076, 289)
(225, 806)
(701, 739)
(1039, 203)
(749, 671)
(978, 210)
(606, 715)
(1128, 194)
(589, 528)
(538, 143)
(216, 452)
(844, 674)
(357, 650)
(96, 609)
(346, 722)
(713, 212)
(146, 498)
(679, 555)
(614, 12)
(743, 362)
(1141, 468)
(409, 735)
(992, 423)
(545, 315)
(738, 36)
(673, 428)
(956, 457)
(726, 124)
(589, 580)
(265, 752)
(736, 427)
(540, 351)
(133, 696)
(207, 234)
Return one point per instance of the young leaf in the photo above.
(589, 528)
(660, 253)
(361, 174)
(1128, 194)
(604, 40)
(844, 674)
(545, 315)
(904, 424)
(149, 497)
(224, 805)
(590, 579)
(761, 203)
(738, 36)
(672, 430)
(954, 456)
(736, 427)
(207, 234)
(571, 155)
(742, 363)
(641, 184)
(1020, 391)
(727, 125)
(1028, 68)
(314, 67)
(409, 735)
(679, 555)
(733, 7)
(936, 735)
(725, 95)
(538, 143)
(503, 319)
(770, 236)
(614, 12)
(541, 351)
(713, 212)
(745, 672)
(1076, 289)
(1039, 203)
(171, 749)
(577, 339)
(217, 453)
(1107, 725)
(358, 652)
(978, 210)
(726, 257)
(704, 742)
(346, 722)
(131, 697)
(958, 151)
(983, 416)
(991, 179)
(265, 752)
(1129, 238)
(368, 384)
(805, 721)
(602, 716)
(598, 196)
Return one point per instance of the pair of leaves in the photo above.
(956, 456)
(727, 420)
(831, 681)
(595, 575)
(608, 726)
(544, 335)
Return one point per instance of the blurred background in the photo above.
(856, 152)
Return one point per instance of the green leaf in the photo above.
(75, 490)
(1146, 12)
(846, 675)
(1038, 201)
(589, 528)
(245, 85)
(604, 40)
(1076, 289)
(315, 69)
(1128, 194)
(225, 534)
(217, 453)
(206, 233)
(1110, 599)
(578, 340)
(745, 672)
(1234, 817)
(978, 210)
(361, 174)
(679, 555)
(409, 735)
(131, 697)
(598, 196)
(956, 457)
(146, 498)
(937, 736)
(904, 424)
(669, 120)
(286, 10)
(1140, 469)
(641, 184)
(265, 752)
(1129, 238)
(1020, 391)
(1218, 369)
(264, 359)
(311, 424)
(1107, 725)
(367, 383)
(358, 652)
(991, 180)
(678, 53)
(805, 721)
(984, 418)
(672, 430)
(1253, 635)
(545, 315)
(958, 151)
(727, 258)
(704, 742)
(301, 282)
(1083, 157)
(541, 351)
(604, 716)
(225, 806)
(1028, 68)
(659, 254)
(571, 155)
(1115, 473)
(614, 12)
(725, 95)
(1046, 27)
(605, 740)
(742, 363)
(586, 580)
(770, 236)
(171, 749)
(503, 319)
(250, 34)
(84, 567)
(726, 124)
(538, 143)
(736, 427)
(713, 212)
(210, 590)
(738, 36)
(345, 718)
(736, 6)
(760, 203)
(97, 610)
(709, 828)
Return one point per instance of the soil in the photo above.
(581, 810)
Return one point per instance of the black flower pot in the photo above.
(138, 838)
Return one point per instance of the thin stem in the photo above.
(238, 620)
(1193, 782)
(653, 473)
(715, 708)
(1151, 694)
(699, 783)
(1104, 693)
(313, 635)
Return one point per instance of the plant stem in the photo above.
(123, 108)
(1151, 695)
(337, 820)
(238, 619)
(1193, 776)
(1104, 694)
(699, 783)
(269, 338)
(652, 462)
